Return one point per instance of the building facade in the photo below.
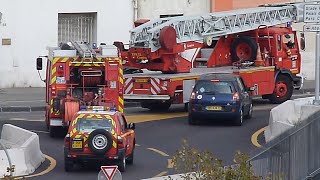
(27, 28)
(149, 9)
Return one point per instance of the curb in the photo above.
(42, 108)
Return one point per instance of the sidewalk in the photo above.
(33, 99)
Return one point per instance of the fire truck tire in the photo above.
(282, 91)
(131, 156)
(52, 131)
(122, 163)
(156, 106)
(100, 141)
(244, 46)
(239, 119)
(192, 120)
(68, 165)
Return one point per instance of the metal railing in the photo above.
(294, 155)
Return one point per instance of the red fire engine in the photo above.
(255, 43)
(78, 76)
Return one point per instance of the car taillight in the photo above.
(236, 97)
(67, 141)
(193, 95)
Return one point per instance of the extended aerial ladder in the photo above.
(160, 41)
(215, 24)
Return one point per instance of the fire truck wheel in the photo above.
(131, 156)
(100, 141)
(239, 119)
(282, 91)
(156, 106)
(68, 165)
(52, 131)
(122, 163)
(244, 48)
(192, 120)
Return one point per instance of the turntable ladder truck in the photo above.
(174, 52)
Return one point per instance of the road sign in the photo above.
(311, 28)
(312, 13)
(109, 171)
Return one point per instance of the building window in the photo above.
(77, 27)
(170, 15)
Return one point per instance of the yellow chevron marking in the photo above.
(64, 60)
(121, 80)
(120, 109)
(120, 100)
(51, 110)
(98, 116)
(114, 144)
(87, 65)
(120, 71)
(53, 80)
(54, 70)
(78, 136)
(55, 60)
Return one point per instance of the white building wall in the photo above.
(149, 9)
(33, 25)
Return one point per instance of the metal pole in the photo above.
(317, 70)
(10, 165)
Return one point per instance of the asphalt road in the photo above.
(157, 140)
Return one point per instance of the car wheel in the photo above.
(239, 119)
(100, 141)
(249, 115)
(68, 165)
(191, 120)
(122, 164)
(130, 158)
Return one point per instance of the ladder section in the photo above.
(214, 24)
(84, 49)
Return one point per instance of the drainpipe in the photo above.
(135, 10)
(7, 154)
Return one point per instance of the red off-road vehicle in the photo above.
(99, 135)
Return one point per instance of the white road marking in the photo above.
(24, 119)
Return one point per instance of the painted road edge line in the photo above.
(161, 174)
(52, 165)
(254, 137)
(159, 152)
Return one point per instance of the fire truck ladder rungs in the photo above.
(215, 24)
(84, 49)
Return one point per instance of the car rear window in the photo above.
(87, 125)
(213, 87)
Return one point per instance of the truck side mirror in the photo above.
(39, 63)
(131, 126)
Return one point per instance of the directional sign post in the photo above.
(312, 15)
